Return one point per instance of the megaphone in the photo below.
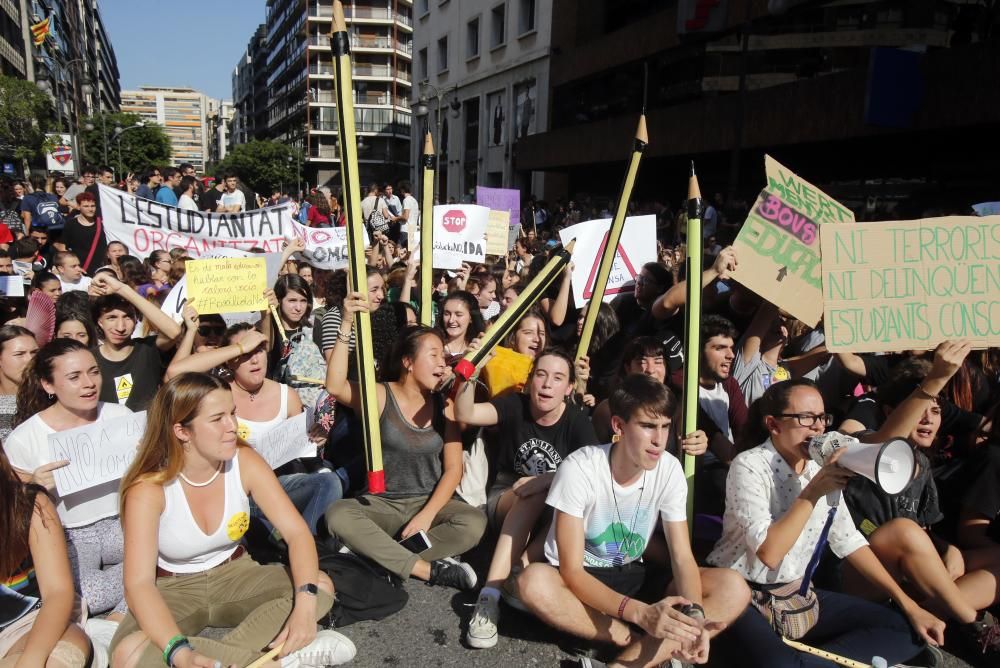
(889, 465)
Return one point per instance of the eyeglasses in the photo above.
(809, 419)
(208, 330)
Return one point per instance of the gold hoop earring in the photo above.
(616, 437)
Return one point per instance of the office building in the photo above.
(183, 113)
(220, 119)
(485, 66)
(294, 102)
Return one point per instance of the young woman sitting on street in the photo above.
(185, 507)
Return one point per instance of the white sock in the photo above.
(490, 592)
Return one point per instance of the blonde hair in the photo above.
(160, 455)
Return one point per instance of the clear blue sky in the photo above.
(192, 43)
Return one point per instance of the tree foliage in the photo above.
(263, 165)
(25, 113)
(140, 147)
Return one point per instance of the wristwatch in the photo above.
(309, 588)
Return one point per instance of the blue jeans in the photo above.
(310, 493)
(848, 626)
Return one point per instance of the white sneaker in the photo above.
(101, 631)
(328, 649)
(482, 633)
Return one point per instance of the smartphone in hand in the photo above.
(417, 543)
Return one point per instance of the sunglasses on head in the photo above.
(211, 330)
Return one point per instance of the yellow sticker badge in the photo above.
(243, 431)
(237, 526)
(780, 374)
(123, 387)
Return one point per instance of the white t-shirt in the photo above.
(27, 448)
(715, 402)
(186, 203)
(410, 204)
(81, 285)
(617, 520)
(234, 198)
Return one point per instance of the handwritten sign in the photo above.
(285, 442)
(227, 285)
(459, 234)
(778, 246)
(636, 247)
(497, 232)
(501, 199)
(97, 453)
(905, 285)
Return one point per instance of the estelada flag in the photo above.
(41, 30)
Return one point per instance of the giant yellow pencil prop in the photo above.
(340, 45)
(427, 237)
(692, 327)
(611, 242)
(509, 318)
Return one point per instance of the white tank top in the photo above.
(252, 431)
(184, 547)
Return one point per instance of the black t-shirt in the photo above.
(526, 448)
(209, 201)
(954, 421)
(871, 508)
(983, 496)
(134, 380)
(79, 239)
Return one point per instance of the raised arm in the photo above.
(208, 360)
(557, 307)
(673, 299)
(167, 330)
(338, 357)
(468, 412)
(763, 321)
(948, 358)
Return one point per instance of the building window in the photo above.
(472, 39)
(443, 54)
(526, 18)
(423, 7)
(498, 26)
(422, 64)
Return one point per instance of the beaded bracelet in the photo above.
(621, 607)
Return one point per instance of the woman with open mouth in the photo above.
(61, 391)
(461, 321)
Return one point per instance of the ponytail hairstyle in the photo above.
(773, 402)
(31, 396)
(407, 345)
(15, 517)
(160, 455)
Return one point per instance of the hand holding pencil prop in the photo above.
(692, 327)
(614, 237)
(340, 45)
(427, 236)
(467, 366)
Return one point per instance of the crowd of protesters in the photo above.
(565, 472)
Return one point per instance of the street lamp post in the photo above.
(421, 110)
(117, 137)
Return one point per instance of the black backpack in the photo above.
(364, 589)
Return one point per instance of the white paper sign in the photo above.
(636, 247)
(97, 453)
(326, 247)
(11, 286)
(459, 234)
(286, 442)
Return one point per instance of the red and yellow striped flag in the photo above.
(41, 30)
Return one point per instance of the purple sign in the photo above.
(501, 199)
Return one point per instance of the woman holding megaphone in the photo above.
(777, 523)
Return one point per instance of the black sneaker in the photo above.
(454, 574)
(982, 635)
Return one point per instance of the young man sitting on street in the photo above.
(606, 500)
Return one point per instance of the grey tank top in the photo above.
(411, 455)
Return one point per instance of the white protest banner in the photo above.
(459, 234)
(326, 247)
(285, 442)
(97, 453)
(497, 232)
(909, 285)
(778, 245)
(636, 248)
(11, 286)
(144, 226)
